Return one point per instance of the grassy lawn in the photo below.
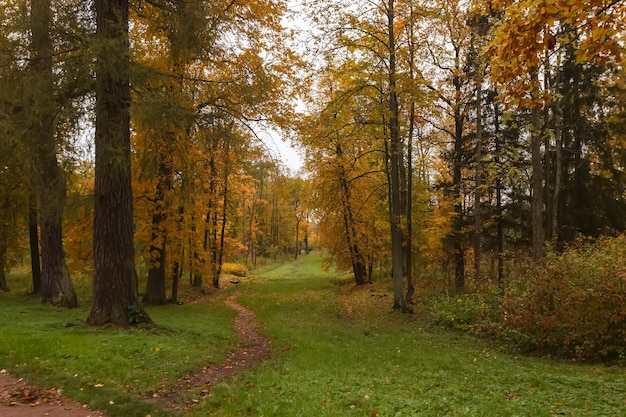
(109, 369)
(337, 351)
(340, 351)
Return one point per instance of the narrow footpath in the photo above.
(19, 399)
(253, 348)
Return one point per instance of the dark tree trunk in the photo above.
(478, 183)
(3, 277)
(155, 286)
(220, 250)
(499, 211)
(537, 202)
(409, 178)
(56, 284)
(356, 257)
(115, 292)
(33, 234)
(458, 251)
(397, 211)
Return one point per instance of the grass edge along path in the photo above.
(339, 350)
(252, 349)
(180, 397)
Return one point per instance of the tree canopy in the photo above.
(435, 135)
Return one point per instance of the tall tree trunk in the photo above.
(220, 252)
(408, 252)
(33, 235)
(155, 285)
(356, 257)
(478, 182)
(115, 292)
(56, 284)
(537, 202)
(499, 211)
(458, 251)
(212, 219)
(558, 166)
(397, 212)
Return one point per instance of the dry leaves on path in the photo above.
(18, 399)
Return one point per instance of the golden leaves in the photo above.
(531, 30)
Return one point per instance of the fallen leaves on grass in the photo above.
(29, 394)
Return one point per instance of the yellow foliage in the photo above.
(238, 270)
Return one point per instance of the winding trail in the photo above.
(253, 348)
(18, 399)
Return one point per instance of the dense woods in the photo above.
(448, 146)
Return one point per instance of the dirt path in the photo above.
(253, 348)
(18, 399)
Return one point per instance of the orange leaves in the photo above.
(531, 30)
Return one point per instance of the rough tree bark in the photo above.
(115, 293)
(56, 284)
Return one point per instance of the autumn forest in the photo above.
(464, 147)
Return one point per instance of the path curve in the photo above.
(252, 349)
(18, 399)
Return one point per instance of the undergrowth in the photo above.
(571, 305)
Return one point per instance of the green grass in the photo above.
(340, 351)
(51, 347)
(337, 351)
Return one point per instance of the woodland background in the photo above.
(474, 150)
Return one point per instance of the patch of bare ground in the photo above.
(19, 399)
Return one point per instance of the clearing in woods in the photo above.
(335, 350)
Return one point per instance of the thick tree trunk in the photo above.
(115, 293)
(56, 284)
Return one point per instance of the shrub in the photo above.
(238, 270)
(573, 304)
(475, 313)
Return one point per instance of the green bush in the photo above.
(573, 304)
(478, 313)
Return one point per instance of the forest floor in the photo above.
(19, 399)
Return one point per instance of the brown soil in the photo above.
(18, 399)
